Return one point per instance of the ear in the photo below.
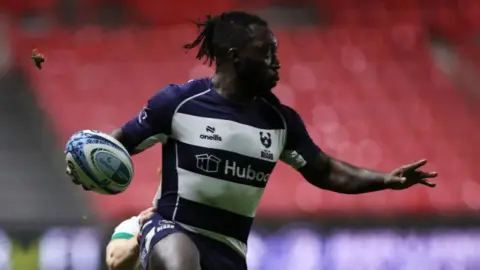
(233, 54)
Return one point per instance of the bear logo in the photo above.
(266, 139)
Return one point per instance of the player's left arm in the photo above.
(122, 253)
(329, 173)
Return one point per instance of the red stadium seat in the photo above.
(160, 12)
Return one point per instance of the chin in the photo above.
(272, 83)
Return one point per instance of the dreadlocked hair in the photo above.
(221, 32)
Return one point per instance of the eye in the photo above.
(264, 50)
(268, 54)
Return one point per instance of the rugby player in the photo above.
(123, 249)
(222, 137)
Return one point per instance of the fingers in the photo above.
(429, 174)
(424, 181)
(69, 172)
(151, 210)
(148, 211)
(146, 215)
(415, 165)
(427, 183)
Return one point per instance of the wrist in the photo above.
(387, 181)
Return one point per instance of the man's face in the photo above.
(258, 61)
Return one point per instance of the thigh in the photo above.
(216, 255)
(164, 246)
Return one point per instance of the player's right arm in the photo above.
(152, 124)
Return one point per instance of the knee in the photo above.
(175, 252)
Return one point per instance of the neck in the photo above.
(229, 86)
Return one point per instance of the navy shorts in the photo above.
(214, 255)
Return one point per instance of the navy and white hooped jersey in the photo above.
(217, 155)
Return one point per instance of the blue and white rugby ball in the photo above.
(99, 162)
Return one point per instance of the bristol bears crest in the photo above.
(266, 139)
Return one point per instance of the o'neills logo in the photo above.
(214, 137)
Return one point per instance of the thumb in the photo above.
(395, 180)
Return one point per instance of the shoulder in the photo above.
(127, 228)
(291, 116)
(174, 94)
(287, 114)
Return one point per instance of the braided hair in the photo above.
(220, 33)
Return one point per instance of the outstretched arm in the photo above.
(332, 174)
(335, 175)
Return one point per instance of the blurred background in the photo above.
(379, 83)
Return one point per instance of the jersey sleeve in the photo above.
(127, 229)
(153, 123)
(299, 148)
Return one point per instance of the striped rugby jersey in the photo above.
(217, 155)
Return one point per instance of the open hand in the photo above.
(146, 215)
(409, 175)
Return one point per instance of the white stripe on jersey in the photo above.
(230, 136)
(176, 151)
(233, 197)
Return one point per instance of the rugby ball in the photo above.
(99, 162)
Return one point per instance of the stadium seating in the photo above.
(368, 95)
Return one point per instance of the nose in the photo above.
(276, 66)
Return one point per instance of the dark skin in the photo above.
(255, 66)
